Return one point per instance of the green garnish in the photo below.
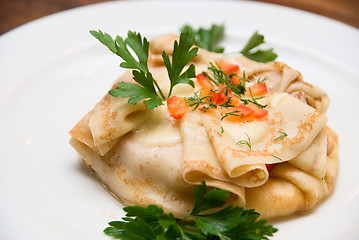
(228, 223)
(148, 87)
(210, 38)
(277, 157)
(197, 100)
(253, 100)
(225, 80)
(233, 113)
(181, 56)
(283, 134)
(260, 80)
(220, 77)
(258, 55)
(245, 142)
(207, 38)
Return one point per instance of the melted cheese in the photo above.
(160, 130)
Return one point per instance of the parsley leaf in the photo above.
(119, 47)
(205, 201)
(182, 54)
(207, 38)
(231, 222)
(259, 55)
(147, 87)
(210, 38)
(136, 93)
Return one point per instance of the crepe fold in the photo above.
(146, 157)
(290, 189)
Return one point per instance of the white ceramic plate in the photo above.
(53, 72)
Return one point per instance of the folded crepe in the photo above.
(147, 157)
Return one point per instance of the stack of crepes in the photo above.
(147, 157)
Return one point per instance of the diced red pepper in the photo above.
(218, 98)
(235, 80)
(270, 167)
(234, 99)
(222, 94)
(205, 92)
(215, 97)
(222, 98)
(212, 96)
(261, 112)
(228, 68)
(244, 112)
(239, 113)
(204, 82)
(177, 107)
(258, 89)
(258, 112)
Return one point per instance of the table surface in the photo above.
(14, 13)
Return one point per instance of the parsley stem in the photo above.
(160, 91)
(170, 92)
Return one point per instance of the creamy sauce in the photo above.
(160, 130)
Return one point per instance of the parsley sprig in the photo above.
(147, 87)
(210, 38)
(227, 223)
(207, 38)
(181, 56)
(251, 50)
